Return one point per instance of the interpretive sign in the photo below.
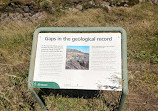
(88, 58)
(78, 61)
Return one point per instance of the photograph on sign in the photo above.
(90, 61)
(77, 57)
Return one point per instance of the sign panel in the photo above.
(89, 61)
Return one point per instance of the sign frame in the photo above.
(84, 30)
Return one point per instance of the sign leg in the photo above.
(122, 101)
(38, 100)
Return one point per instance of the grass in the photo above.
(140, 22)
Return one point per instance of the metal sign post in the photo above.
(46, 84)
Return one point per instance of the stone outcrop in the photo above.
(33, 12)
(16, 11)
(5, 18)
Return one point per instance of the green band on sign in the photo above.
(38, 84)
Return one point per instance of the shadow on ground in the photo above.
(84, 94)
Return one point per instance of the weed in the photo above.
(154, 58)
(14, 81)
(156, 34)
(87, 6)
(133, 2)
(37, 1)
(46, 4)
(4, 102)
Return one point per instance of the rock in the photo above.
(73, 10)
(142, 1)
(19, 10)
(150, 1)
(118, 4)
(105, 3)
(106, 7)
(126, 1)
(155, 1)
(11, 4)
(91, 3)
(3, 16)
(9, 9)
(51, 9)
(125, 5)
(79, 7)
(26, 9)
(26, 15)
(17, 2)
(32, 12)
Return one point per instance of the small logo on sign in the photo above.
(39, 84)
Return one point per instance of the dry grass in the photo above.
(89, 17)
(141, 25)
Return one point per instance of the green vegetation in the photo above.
(46, 4)
(140, 22)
